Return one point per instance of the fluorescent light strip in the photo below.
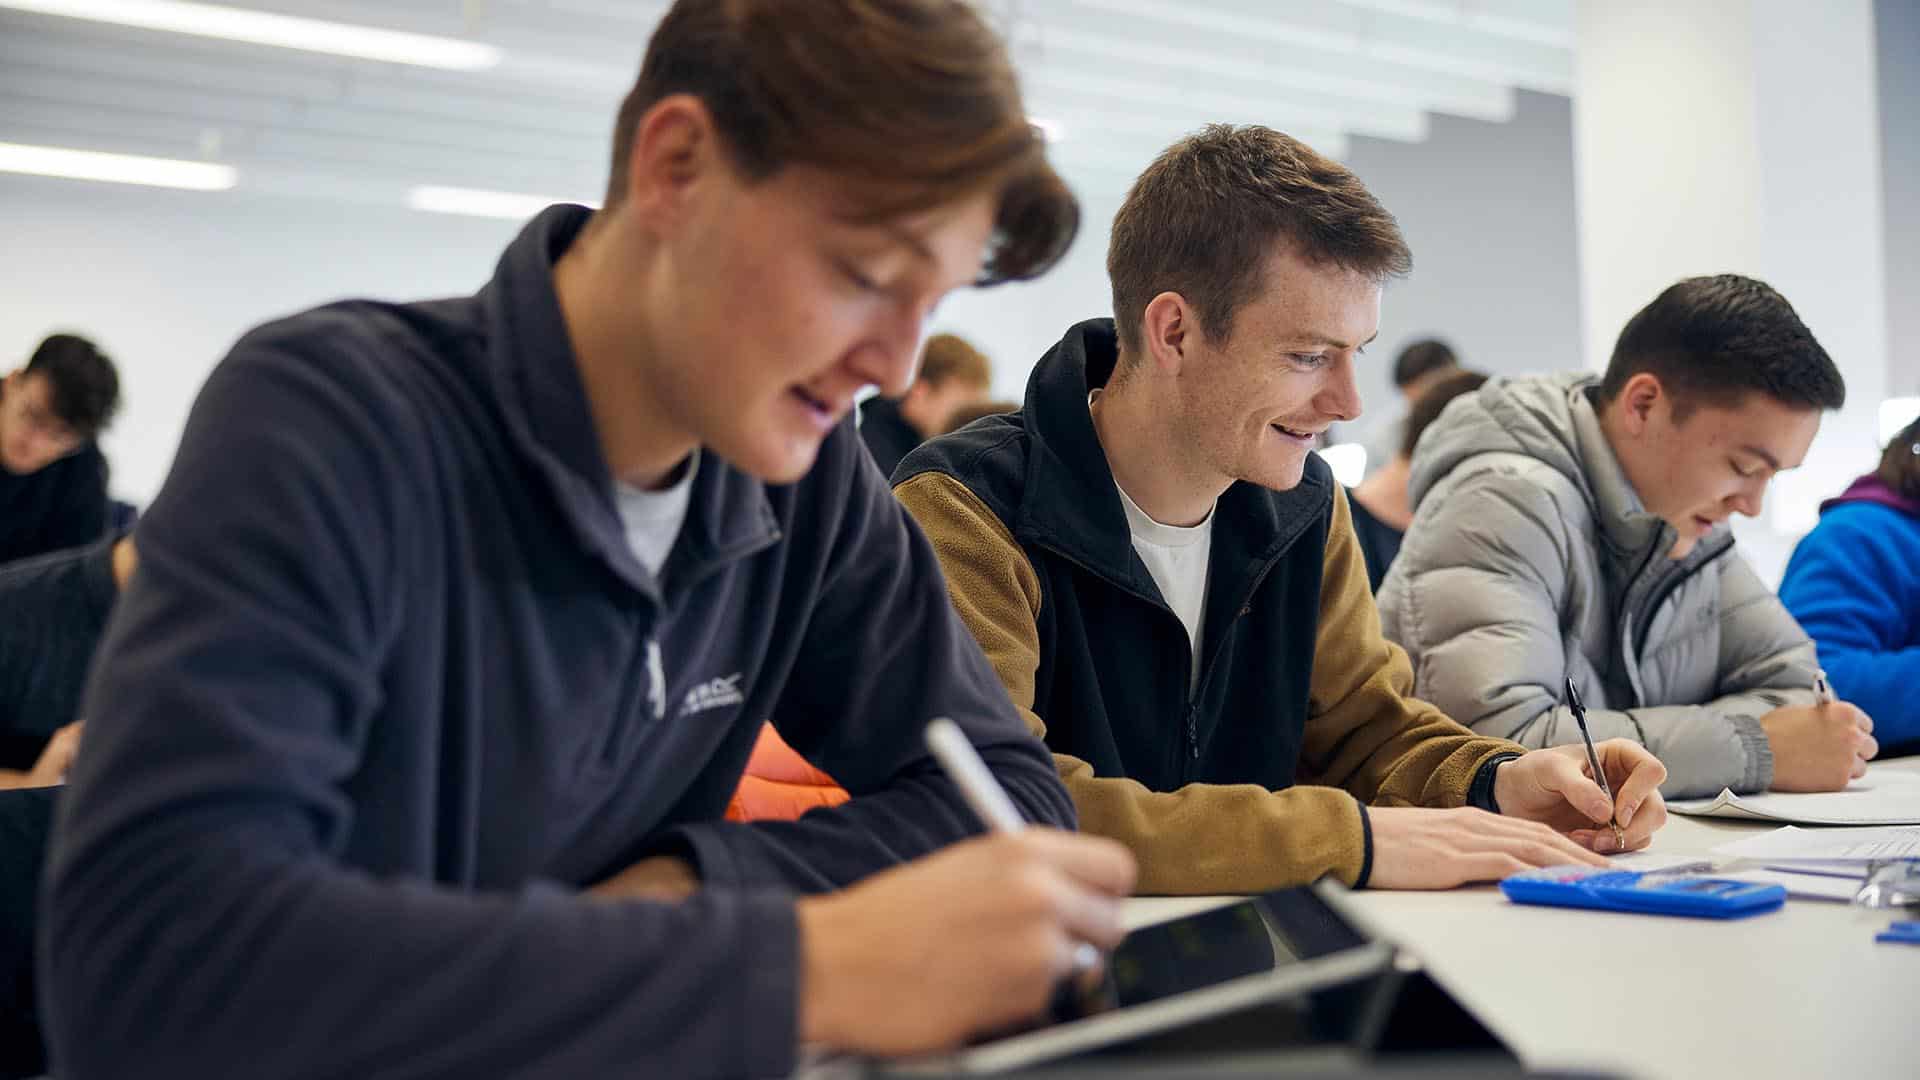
(115, 168)
(283, 31)
(474, 202)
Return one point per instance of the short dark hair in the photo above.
(83, 387)
(1900, 462)
(913, 104)
(1714, 340)
(1420, 358)
(1202, 218)
(1433, 401)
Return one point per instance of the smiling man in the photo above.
(53, 479)
(1168, 582)
(409, 744)
(1573, 527)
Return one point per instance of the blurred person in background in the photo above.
(53, 478)
(952, 374)
(967, 414)
(1382, 509)
(1419, 365)
(1854, 584)
(57, 606)
(1575, 526)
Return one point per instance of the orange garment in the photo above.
(779, 785)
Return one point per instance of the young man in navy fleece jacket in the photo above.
(452, 612)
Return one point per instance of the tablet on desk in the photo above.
(1252, 952)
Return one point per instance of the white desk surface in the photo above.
(1800, 992)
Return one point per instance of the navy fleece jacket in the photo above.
(389, 688)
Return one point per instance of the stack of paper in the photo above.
(1807, 848)
(1882, 797)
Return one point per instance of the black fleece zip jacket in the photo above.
(389, 687)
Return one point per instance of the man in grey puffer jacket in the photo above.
(1570, 526)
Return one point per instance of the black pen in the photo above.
(1593, 759)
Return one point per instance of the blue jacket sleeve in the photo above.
(197, 919)
(883, 653)
(1854, 584)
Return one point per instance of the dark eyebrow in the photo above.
(1772, 462)
(1318, 338)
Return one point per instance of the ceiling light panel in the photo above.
(273, 29)
(115, 168)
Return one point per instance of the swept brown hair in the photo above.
(1201, 220)
(913, 103)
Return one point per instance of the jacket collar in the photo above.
(1871, 489)
(1072, 505)
(536, 378)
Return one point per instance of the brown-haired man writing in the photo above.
(1167, 579)
(450, 611)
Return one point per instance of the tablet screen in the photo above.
(1251, 937)
(1262, 951)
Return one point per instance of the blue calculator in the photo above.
(1642, 893)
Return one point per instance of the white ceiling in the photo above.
(1117, 79)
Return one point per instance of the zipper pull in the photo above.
(1193, 733)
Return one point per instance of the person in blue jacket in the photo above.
(409, 743)
(1854, 584)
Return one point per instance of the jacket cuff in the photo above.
(1759, 754)
(1480, 794)
(1366, 846)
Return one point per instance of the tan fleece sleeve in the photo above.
(1203, 838)
(1364, 733)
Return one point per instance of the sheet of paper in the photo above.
(1882, 797)
(1799, 886)
(1788, 843)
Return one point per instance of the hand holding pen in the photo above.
(1818, 747)
(970, 939)
(1611, 805)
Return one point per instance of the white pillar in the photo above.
(1739, 136)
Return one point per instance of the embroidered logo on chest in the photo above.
(713, 694)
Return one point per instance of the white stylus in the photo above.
(984, 795)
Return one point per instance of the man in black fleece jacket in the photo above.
(452, 612)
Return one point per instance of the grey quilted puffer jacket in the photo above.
(1530, 559)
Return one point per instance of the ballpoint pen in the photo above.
(1822, 693)
(1593, 759)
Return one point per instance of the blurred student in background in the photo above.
(1419, 365)
(1382, 509)
(1854, 584)
(57, 607)
(952, 374)
(967, 414)
(53, 478)
(1571, 526)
